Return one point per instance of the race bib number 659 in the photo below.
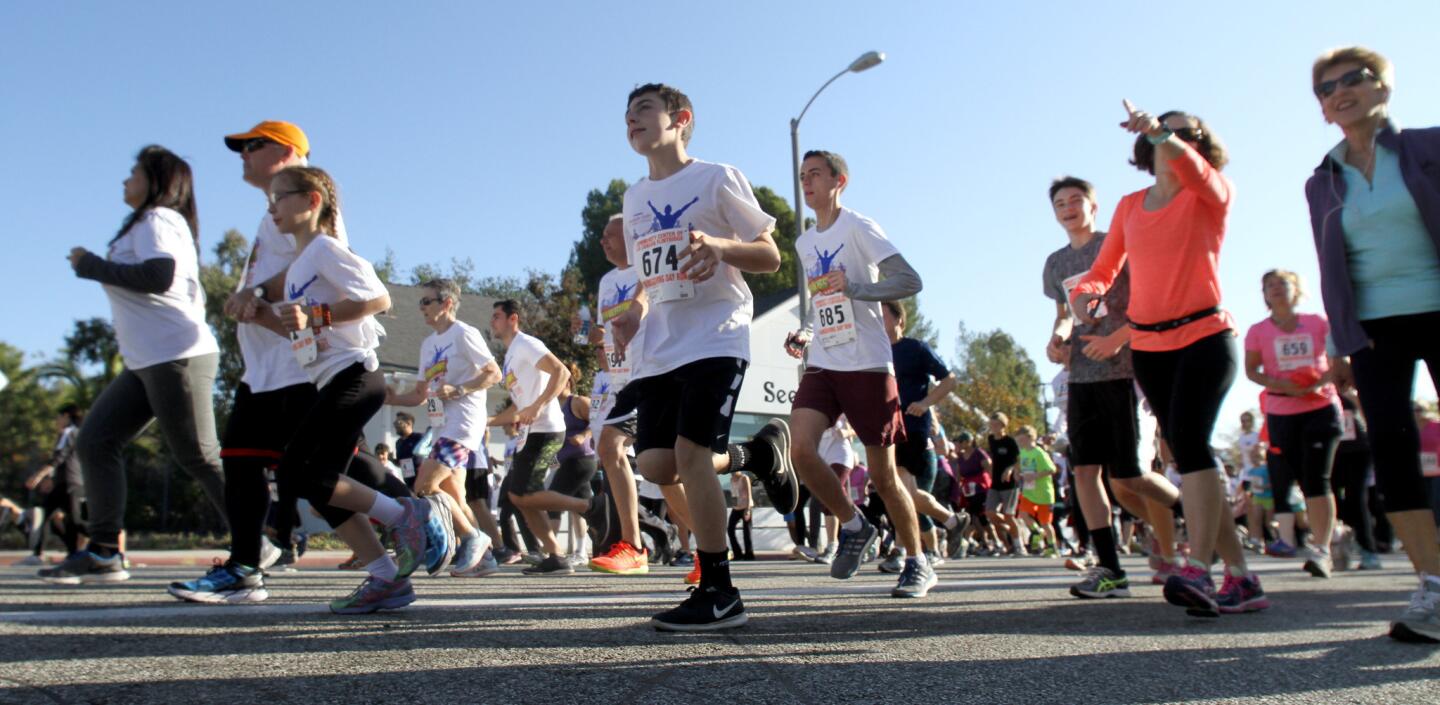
(660, 265)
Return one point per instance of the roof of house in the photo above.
(405, 330)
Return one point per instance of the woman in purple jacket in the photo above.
(1375, 210)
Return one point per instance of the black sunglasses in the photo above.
(427, 300)
(1189, 134)
(1349, 79)
(256, 144)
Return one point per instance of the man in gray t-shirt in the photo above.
(1101, 410)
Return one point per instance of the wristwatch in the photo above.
(259, 293)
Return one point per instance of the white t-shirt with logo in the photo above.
(327, 272)
(269, 364)
(455, 357)
(856, 245)
(525, 380)
(617, 293)
(155, 328)
(688, 321)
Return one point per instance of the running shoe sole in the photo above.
(393, 603)
(239, 597)
(734, 622)
(1314, 568)
(440, 508)
(924, 589)
(1098, 595)
(1196, 603)
(786, 469)
(1400, 631)
(90, 579)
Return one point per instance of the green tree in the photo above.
(28, 409)
(994, 374)
(586, 256)
(219, 279)
(785, 278)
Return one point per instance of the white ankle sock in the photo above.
(386, 510)
(854, 523)
(383, 568)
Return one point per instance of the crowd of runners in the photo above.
(1149, 354)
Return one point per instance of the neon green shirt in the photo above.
(1037, 475)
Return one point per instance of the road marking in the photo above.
(951, 582)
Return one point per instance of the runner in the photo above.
(66, 499)
(1374, 213)
(694, 227)
(852, 371)
(1101, 411)
(916, 368)
(1182, 343)
(613, 422)
(536, 379)
(456, 368)
(331, 296)
(1350, 482)
(152, 277)
(274, 392)
(1003, 499)
(1285, 354)
(1037, 489)
(407, 439)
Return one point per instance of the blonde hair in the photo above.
(315, 179)
(1026, 430)
(1295, 285)
(1369, 58)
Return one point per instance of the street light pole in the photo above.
(868, 60)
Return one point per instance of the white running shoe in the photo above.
(269, 553)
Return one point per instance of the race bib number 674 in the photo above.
(660, 273)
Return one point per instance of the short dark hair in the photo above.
(962, 437)
(446, 288)
(405, 416)
(1206, 143)
(1065, 182)
(837, 164)
(673, 99)
(896, 309)
(510, 307)
(73, 412)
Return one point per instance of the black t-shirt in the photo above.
(915, 365)
(1004, 451)
(405, 447)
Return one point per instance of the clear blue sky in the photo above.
(475, 129)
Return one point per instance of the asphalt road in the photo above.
(994, 631)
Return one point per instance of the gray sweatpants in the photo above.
(177, 394)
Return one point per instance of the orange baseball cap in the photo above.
(286, 133)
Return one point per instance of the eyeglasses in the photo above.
(1349, 79)
(278, 196)
(427, 300)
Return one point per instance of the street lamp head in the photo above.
(868, 60)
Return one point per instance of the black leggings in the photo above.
(1352, 497)
(1307, 445)
(323, 445)
(1385, 379)
(255, 438)
(1185, 388)
(741, 518)
(59, 499)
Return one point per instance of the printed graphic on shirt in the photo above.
(434, 379)
(613, 304)
(659, 250)
(834, 316)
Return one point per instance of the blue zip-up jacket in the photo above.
(1419, 152)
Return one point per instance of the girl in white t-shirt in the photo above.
(331, 297)
(151, 275)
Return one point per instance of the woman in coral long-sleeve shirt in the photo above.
(1183, 344)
